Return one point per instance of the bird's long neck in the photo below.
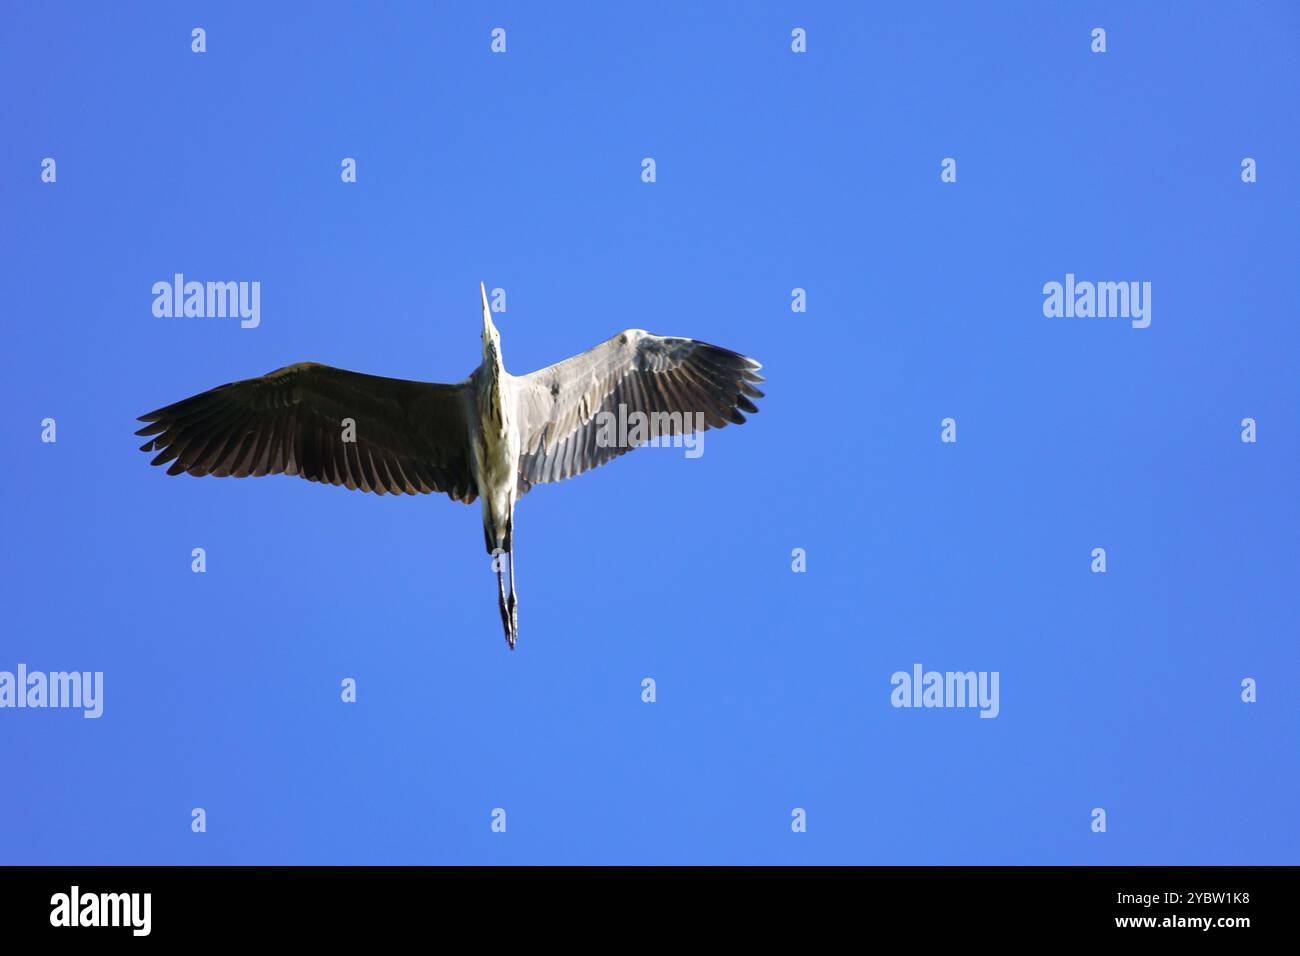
(489, 387)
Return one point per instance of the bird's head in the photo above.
(491, 337)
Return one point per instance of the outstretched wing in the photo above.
(682, 385)
(408, 437)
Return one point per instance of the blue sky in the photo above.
(775, 170)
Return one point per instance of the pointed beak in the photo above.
(487, 313)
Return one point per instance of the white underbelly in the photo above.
(497, 460)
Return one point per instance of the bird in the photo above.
(491, 437)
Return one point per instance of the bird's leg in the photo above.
(501, 600)
(514, 604)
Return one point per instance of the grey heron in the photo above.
(492, 436)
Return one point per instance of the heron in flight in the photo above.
(492, 436)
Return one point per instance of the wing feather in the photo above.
(411, 437)
(562, 407)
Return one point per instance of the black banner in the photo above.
(192, 904)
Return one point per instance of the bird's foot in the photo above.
(505, 626)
